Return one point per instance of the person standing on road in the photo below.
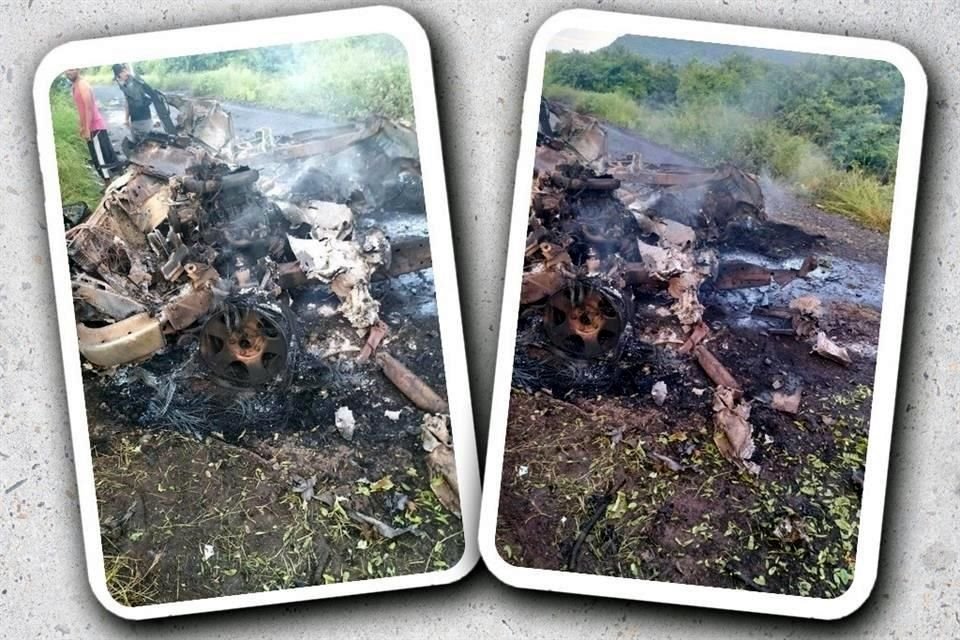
(93, 128)
(135, 90)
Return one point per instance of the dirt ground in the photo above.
(598, 478)
(223, 512)
(206, 489)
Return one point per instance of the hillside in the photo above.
(682, 51)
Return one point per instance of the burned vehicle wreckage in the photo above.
(622, 261)
(235, 287)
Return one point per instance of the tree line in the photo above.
(849, 108)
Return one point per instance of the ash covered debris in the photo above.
(227, 286)
(624, 259)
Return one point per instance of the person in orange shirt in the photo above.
(93, 128)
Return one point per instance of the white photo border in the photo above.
(891, 321)
(264, 33)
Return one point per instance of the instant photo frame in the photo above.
(264, 33)
(887, 358)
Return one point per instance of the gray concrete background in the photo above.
(480, 53)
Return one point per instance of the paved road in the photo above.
(246, 118)
(621, 142)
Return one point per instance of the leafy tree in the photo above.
(847, 107)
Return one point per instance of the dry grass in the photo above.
(129, 581)
(858, 195)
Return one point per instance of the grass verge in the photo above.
(182, 519)
(859, 196)
(792, 531)
(78, 180)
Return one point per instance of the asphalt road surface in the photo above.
(246, 118)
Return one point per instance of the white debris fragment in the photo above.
(733, 433)
(305, 487)
(392, 415)
(359, 307)
(663, 262)
(347, 268)
(382, 528)
(345, 422)
(335, 344)
(376, 248)
(671, 234)
(208, 551)
(788, 403)
(522, 470)
(668, 462)
(659, 393)
(434, 432)
(326, 310)
(831, 350)
(441, 461)
(327, 220)
(325, 259)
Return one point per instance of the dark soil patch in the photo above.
(183, 519)
(588, 438)
(709, 523)
(837, 236)
(197, 513)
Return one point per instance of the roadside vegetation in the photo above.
(341, 78)
(828, 126)
(78, 180)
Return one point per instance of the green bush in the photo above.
(614, 108)
(613, 69)
(847, 109)
(346, 78)
(99, 75)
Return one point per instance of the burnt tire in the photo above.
(586, 320)
(249, 344)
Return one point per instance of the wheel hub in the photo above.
(245, 346)
(584, 320)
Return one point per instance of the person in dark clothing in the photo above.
(140, 97)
